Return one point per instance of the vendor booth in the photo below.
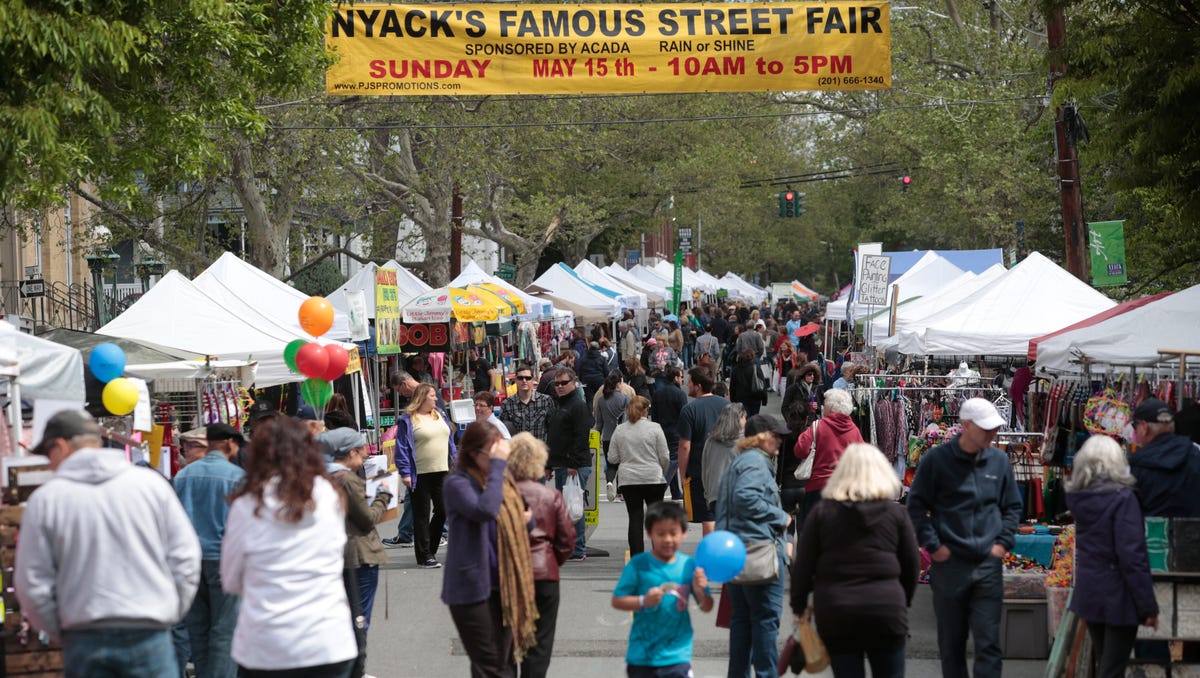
(654, 296)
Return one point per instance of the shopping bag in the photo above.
(816, 658)
(724, 609)
(573, 495)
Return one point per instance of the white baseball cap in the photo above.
(982, 413)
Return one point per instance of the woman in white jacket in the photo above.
(639, 448)
(282, 552)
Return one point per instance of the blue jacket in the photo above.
(748, 500)
(968, 502)
(1112, 570)
(471, 570)
(203, 487)
(1168, 475)
(405, 464)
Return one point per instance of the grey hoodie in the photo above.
(105, 544)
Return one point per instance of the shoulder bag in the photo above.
(762, 560)
(804, 470)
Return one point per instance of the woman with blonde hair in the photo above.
(858, 556)
(639, 449)
(1113, 590)
(425, 451)
(551, 541)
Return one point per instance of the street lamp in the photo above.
(150, 267)
(97, 262)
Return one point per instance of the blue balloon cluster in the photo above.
(107, 361)
(722, 554)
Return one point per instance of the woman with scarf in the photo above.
(425, 451)
(488, 583)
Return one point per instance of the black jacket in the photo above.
(592, 370)
(567, 431)
(1168, 477)
(741, 384)
(667, 403)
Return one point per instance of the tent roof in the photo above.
(473, 273)
(660, 282)
(690, 278)
(261, 299)
(176, 315)
(407, 285)
(975, 261)
(562, 282)
(710, 279)
(1035, 297)
(583, 314)
(931, 275)
(1134, 337)
(734, 282)
(654, 294)
(47, 369)
(593, 274)
(135, 352)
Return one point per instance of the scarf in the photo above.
(517, 600)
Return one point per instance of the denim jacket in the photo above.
(748, 499)
(203, 487)
(405, 463)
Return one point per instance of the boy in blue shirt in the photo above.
(655, 586)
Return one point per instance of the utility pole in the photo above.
(1068, 156)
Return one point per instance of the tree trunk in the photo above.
(268, 240)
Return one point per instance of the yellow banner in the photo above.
(391, 50)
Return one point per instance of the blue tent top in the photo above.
(602, 290)
(975, 261)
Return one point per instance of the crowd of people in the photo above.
(262, 557)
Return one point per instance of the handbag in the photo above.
(804, 470)
(762, 559)
(816, 657)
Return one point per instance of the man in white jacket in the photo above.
(107, 559)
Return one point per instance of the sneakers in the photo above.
(393, 542)
(430, 564)
(577, 558)
(610, 490)
(442, 542)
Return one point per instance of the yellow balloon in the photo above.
(119, 396)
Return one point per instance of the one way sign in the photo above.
(33, 288)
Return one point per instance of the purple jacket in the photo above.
(405, 464)
(1112, 570)
(471, 562)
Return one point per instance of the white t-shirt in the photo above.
(294, 612)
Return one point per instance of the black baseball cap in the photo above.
(259, 410)
(220, 431)
(66, 424)
(765, 423)
(1154, 411)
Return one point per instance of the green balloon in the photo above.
(316, 392)
(289, 353)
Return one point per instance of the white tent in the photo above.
(667, 269)
(407, 284)
(473, 274)
(654, 294)
(736, 286)
(1034, 298)
(925, 310)
(931, 275)
(713, 282)
(660, 282)
(46, 369)
(593, 274)
(1135, 337)
(177, 315)
(260, 299)
(562, 282)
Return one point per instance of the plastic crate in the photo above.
(462, 411)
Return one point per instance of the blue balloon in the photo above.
(107, 361)
(722, 554)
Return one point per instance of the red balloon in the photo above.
(338, 360)
(311, 360)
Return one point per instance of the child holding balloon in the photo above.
(655, 586)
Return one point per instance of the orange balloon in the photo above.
(316, 316)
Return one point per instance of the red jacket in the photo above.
(553, 537)
(834, 433)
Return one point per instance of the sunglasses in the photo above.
(519, 378)
(564, 383)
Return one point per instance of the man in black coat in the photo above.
(568, 431)
(1167, 465)
(667, 403)
(592, 371)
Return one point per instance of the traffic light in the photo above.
(791, 203)
(904, 182)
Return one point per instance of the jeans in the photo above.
(368, 583)
(404, 533)
(754, 628)
(885, 663)
(210, 623)
(968, 595)
(128, 653)
(183, 647)
(637, 499)
(1111, 646)
(427, 531)
(560, 479)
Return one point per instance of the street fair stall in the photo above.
(975, 261)
(707, 289)
(930, 275)
(635, 299)
(654, 296)
(660, 283)
(920, 313)
(530, 308)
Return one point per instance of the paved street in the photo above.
(412, 635)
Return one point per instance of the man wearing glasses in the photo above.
(567, 431)
(528, 409)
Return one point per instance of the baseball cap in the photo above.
(339, 441)
(66, 424)
(221, 431)
(981, 413)
(306, 413)
(652, 342)
(259, 410)
(1154, 411)
(765, 423)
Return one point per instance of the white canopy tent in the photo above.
(660, 282)
(713, 281)
(654, 294)
(260, 299)
(931, 275)
(407, 284)
(593, 274)
(1034, 298)
(177, 315)
(560, 281)
(667, 269)
(46, 369)
(1132, 338)
(473, 274)
(921, 312)
(736, 286)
